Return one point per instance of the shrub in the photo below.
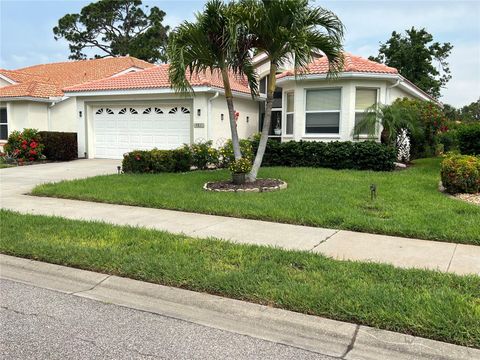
(461, 174)
(226, 152)
(449, 140)
(25, 145)
(59, 146)
(157, 161)
(469, 139)
(240, 166)
(203, 154)
(367, 155)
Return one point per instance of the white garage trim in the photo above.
(119, 128)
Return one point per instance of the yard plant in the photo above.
(408, 201)
(418, 302)
(461, 174)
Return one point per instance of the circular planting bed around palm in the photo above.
(259, 185)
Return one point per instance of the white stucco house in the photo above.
(119, 104)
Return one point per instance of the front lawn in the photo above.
(424, 303)
(408, 203)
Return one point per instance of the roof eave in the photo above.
(29, 98)
(164, 90)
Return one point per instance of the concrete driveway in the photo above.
(21, 179)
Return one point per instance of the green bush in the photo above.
(449, 140)
(25, 145)
(157, 161)
(240, 166)
(226, 152)
(469, 139)
(461, 174)
(203, 155)
(366, 155)
(59, 146)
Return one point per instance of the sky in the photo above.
(26, 36)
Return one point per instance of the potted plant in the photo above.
(239, 168)
(278, 129)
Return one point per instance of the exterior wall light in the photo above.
(80, 113)
(221, 117)
(248, 119)
(199, 112)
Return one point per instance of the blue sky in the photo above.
(26, 36)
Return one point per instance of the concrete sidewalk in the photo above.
(339, 244)
(323, 336)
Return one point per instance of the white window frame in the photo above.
(323, 135)
(5, 123)
(284, 126)
(365, 136)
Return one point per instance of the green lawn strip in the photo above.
(408, 203)
(430, 304)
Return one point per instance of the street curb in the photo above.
(312, 333)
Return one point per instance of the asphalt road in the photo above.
(41, 324)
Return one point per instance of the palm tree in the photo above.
(392, 119)
(216, 41)
(285, 29)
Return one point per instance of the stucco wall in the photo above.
(396, 93)
(63, 116)
(4, 83)
(27, 114)
(220, 129)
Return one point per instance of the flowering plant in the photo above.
(240, 166)
(203, 154)
(25, 145)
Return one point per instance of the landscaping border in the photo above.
(237, 188)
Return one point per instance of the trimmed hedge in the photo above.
(157, 161)
(469, 139)
(461, 174)
(59, 146)
(366, 155)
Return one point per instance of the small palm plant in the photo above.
(389, 120)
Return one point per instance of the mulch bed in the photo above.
(260, 185)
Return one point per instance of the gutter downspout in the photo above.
(49, 118)
(387, 100)
(209, 113)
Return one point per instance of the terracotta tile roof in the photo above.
(157, 77)
(55, 76)
(31, 89)
(352, 63)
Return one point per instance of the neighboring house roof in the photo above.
(48, 80)
(351, 63)
(157, 77)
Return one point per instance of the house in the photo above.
(130, 105)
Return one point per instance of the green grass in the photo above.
(424, 303)
(408, 203)
(3, 165)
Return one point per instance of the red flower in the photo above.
(33, 144)
(31, 158)
(137, 157)
(24, 142)
(33, 152)
(24, 146)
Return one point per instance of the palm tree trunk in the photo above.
(231, 115)
(272, 82)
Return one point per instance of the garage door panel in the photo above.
(125, 128)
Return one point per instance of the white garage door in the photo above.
(119, 129)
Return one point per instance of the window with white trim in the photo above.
(289, 114)
(322, 111)
(3, 124)
(364, 99)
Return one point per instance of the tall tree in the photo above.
(216, 41)
(286, 29)
(115, 27)
(418, 58)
